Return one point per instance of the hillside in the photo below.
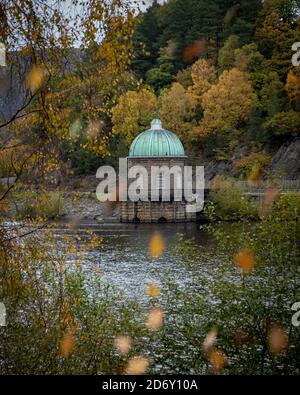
(218, 73)
(226, 85)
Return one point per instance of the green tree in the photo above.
(283, 124)
(164, 74)
(187, 21)
(275, 34)
(271, 93)
(249, 59)
(226, 55)
(158, 79)
(146, 37)
(253, 133)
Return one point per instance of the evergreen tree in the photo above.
(226, 55)
(276, 32)
(254, 128)
(146, 39)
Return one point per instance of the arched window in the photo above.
(178, 181)
(160, 182)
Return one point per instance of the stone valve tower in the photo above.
(160, 148)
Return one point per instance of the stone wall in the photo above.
(155, 212)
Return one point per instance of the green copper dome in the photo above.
(156, 142)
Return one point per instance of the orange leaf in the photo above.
(137, 365)
(35, 77)
(209, 341)
(155, 318)
(156, 245)
(152, 290)
(277, 339)
(67, 344)
(244, 259)
(193, 50)
(270, 195)
(123, 344)
(216, 359)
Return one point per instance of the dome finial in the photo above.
(156, 124)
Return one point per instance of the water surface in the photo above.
(124, 260)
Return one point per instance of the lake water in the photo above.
(124, 261)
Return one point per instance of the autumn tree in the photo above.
(227, 105)
(133, 113)
(100, 75)
(67, 91)
(292, 88)
(37, 39)
(204, 76)
(177, 111)
(184, 77)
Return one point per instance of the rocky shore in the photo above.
(85, 205)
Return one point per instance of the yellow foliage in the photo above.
(203, 76)
(133, 113)
(177, 108)
(152, 290)
(137, 365)
(14, 157)
(156, 245)
(227, 105)
(155, 318)
(35, 77)
(292, 86)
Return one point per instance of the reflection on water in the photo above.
(124, 262)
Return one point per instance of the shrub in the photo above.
(226, 202)
(33, 205)
(253, 163)
(249, 303)
(12, 158)
(283, 124)
(61, 320)
(287, 205)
